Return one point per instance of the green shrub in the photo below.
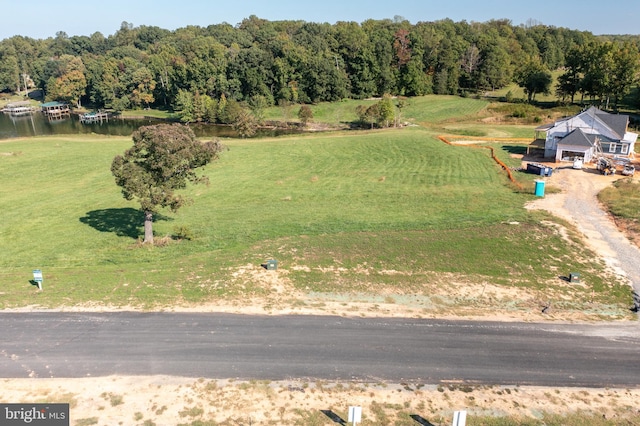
(182, 232)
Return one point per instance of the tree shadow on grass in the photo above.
(126, 222)
(515, 149)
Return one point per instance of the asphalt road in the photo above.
(42, 344)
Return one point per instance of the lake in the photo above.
(37, 124)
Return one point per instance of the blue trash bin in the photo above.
(539, 191)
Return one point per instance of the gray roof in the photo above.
(545, 126)
(578, 138)
(616, 122)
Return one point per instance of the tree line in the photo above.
(215, 73)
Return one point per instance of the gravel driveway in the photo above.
(579, 204)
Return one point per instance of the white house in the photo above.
(583, 135)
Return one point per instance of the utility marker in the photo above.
(37, 277)
(459, 418)
(355, 415)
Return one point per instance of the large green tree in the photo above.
(163, 159)
(597, 67)
(626, 63)
(534, 77)
(387, 111)
(9, 70)
(569, 82)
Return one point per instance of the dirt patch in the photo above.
(433, 295)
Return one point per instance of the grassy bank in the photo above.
(621, 200)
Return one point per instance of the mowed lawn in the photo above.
(65, 209)
(392, 199)
(429, 110)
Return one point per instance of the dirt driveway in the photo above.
(578, 203)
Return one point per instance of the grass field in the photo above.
(427, 111)
(517, 92)
(391, 200)
(621, 199)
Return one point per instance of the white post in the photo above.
(459, 418)
(355, 415)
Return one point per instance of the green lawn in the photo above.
(517, 92)
(153, 113)
(431, 110)
(498, 131)
(621, 199)
(391, 200)
(260, 189)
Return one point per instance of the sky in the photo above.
(42, 19)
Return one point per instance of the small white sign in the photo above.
(459, 418)
(37, 277)
(355, 414)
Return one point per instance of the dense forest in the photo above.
(257, 63)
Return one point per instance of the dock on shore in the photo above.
(94, 117)
(56, 110)
(19, 108)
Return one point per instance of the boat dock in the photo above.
(94, 117)
(56, 110)
(19, 108)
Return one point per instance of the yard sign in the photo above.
(37, 277)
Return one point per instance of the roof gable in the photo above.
(617, 122)
(578, 138)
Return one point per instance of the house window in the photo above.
(625, 148)
(612, 147)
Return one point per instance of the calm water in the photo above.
(37, 124)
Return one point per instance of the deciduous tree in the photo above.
(387, 111)
(305, 114)
(626, 62)
(163, 159)
(534, 78)
(143, 86)
(185, 106)
(69, 83)
(9, 70)
(245, 124)
(569, 82)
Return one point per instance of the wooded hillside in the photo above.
(266, 63)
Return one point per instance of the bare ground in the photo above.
(161, 400)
